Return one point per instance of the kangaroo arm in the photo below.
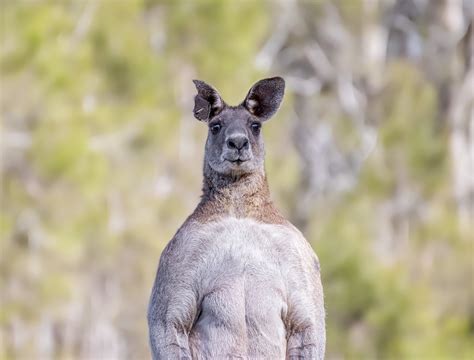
(306, 316)
(173, 306)
(168, 341)
(307, 333)
(307, 343)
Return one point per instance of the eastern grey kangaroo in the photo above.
(237, 280)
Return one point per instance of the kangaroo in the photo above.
(237, 280)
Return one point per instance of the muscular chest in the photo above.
(243, 291)
(241, 255)
(240, 263)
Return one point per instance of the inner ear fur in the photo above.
(264, 98)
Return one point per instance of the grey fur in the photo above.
(237, 280)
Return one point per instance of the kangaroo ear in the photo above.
(264, 98)
(207, 102)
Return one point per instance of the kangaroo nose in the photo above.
(238, 142)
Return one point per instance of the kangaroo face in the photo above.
(234, 145)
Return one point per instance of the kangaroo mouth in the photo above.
(237, 161)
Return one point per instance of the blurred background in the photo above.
(371, 156)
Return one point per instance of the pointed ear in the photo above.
(264, 98)
(207, 102)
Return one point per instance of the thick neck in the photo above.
(219, 186)
(244, 196)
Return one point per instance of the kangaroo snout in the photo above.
(237, 142)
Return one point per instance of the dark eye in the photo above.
(215, 128)
(256, 127)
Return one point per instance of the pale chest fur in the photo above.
(244, 270)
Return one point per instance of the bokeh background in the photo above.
(371, 156)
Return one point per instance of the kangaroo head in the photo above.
(234, 145)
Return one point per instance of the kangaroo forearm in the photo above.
(170, 316)
(170, 351)
(309, 351)
(169, 344)
(307, 344)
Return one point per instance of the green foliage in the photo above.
(388, 305)
(410, 131)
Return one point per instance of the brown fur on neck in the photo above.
(240, 196)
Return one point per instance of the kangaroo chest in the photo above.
(243, 306)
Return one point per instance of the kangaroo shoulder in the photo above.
(301, 251)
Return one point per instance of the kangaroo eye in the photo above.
(215, 128)
(256, 127)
